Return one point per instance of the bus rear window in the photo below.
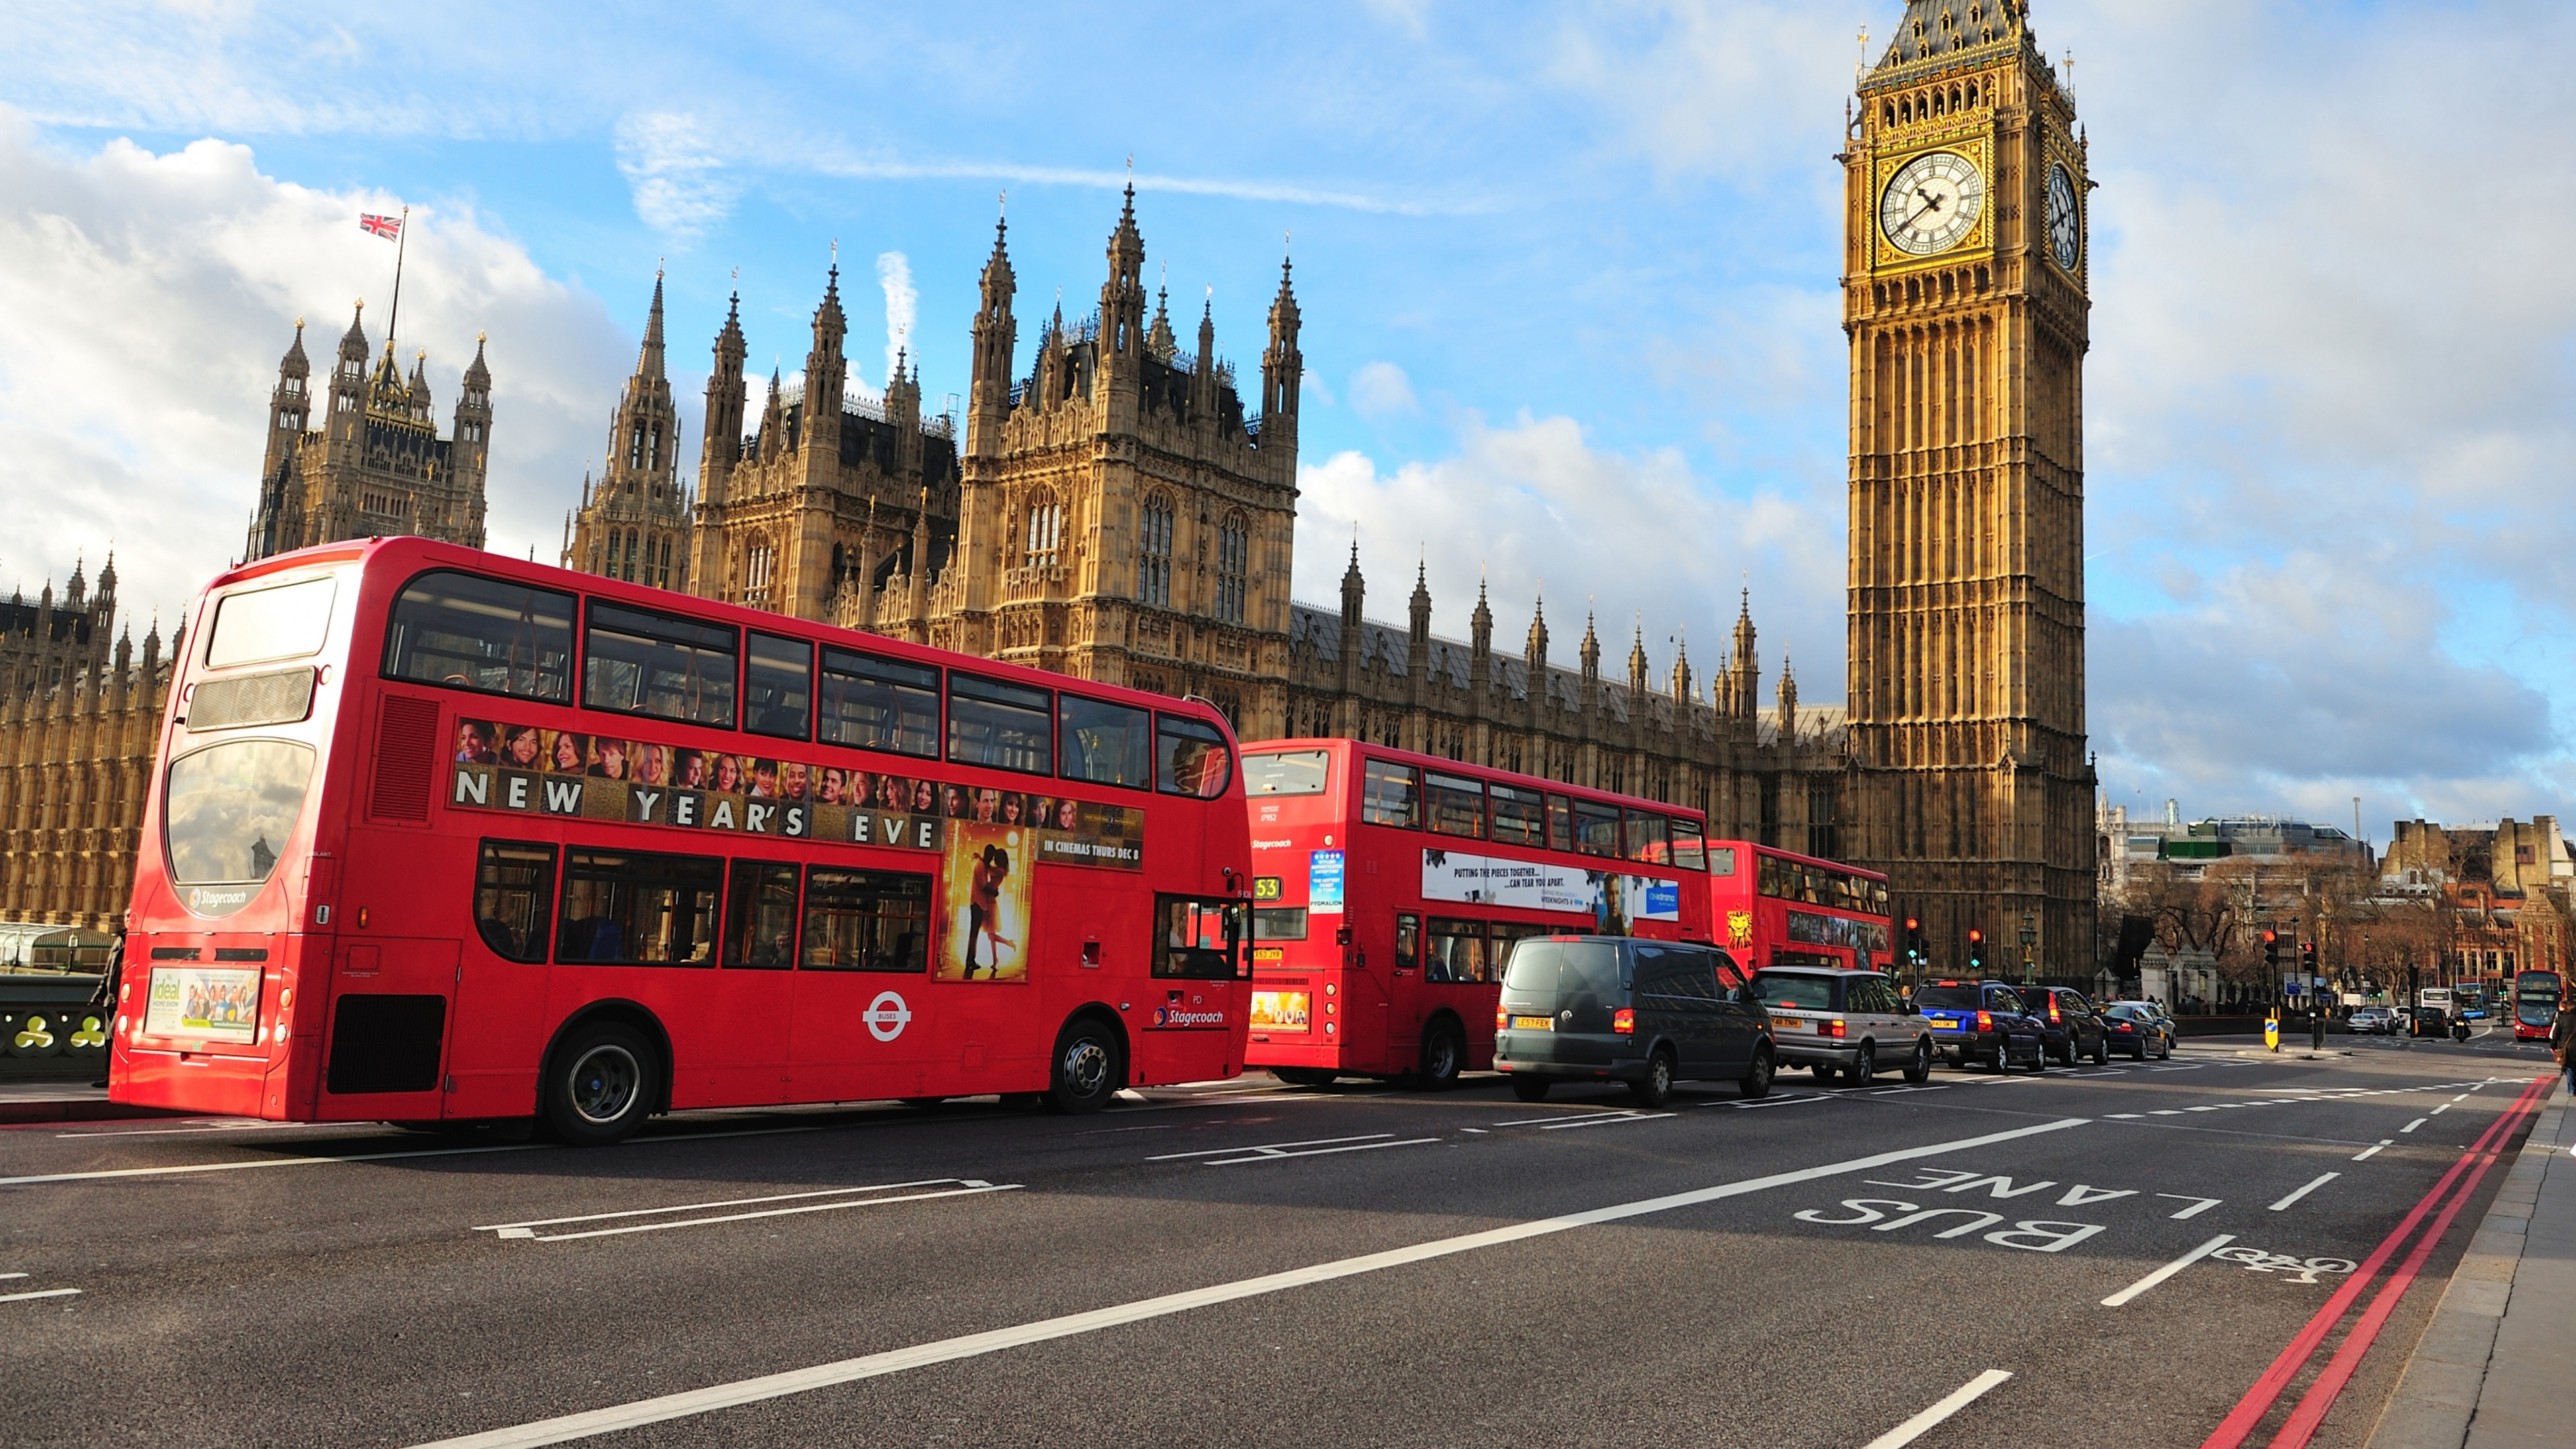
(663, 665)
(880, 704)
(1391, 795)
(998, 724)
(228, 812)
(470, 632)
(257, 625)
(1103, 743)
(1288, 772)
(1279, 923)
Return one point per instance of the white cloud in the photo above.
(1380, 390)
(1533, 508)
(902, 304)
(144, 300)
(678, 182)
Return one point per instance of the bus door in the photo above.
(389, 1024)
(1201, 970)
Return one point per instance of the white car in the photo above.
(2373, 1021)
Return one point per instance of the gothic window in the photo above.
(758, 567)
(1154, 555)
(1045, 532)
(635, 447)
(653, 447)
(1233, 563)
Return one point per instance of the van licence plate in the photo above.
(1533, 1023)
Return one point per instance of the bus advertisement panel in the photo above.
(1774, 908)
(441, 836)
(2535, 1004)
(1388, 889)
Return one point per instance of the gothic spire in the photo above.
(648, 363)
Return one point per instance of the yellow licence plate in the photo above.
(1533, 1023)
(1940, 1025)
(1787, 1023)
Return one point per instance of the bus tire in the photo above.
(1306, 1076)
(1444, 1056)
(1087, 1069)
(601, 1083)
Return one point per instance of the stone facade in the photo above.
(75, 768)
(635, 523)
(44, 645)
(1964, 301)
(373, 465)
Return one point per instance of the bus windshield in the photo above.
(229, 810)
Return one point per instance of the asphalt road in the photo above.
(1392, 1268)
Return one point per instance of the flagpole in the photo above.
(402, 238)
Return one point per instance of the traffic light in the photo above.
(1976, 951)
(2272, 952)
(2308, 958)
(1914, 942)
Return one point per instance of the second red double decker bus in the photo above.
(1774, 908)
(439, 836)
(1388, 888)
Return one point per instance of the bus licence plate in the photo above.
(1533, 1023)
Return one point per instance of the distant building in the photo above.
(44, 643)
(2128, 845)
(2505, 893)
(634, 523)
(373, 465)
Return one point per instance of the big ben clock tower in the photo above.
(1964, 297)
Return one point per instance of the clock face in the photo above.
(2065, 221)
(1932, 203)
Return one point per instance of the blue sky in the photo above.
(1567, 274)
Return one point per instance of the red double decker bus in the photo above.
(1389, 887)
(437, 836)
(1774, 908)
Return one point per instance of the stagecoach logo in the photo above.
(1178, 1018)
(220, 902)
(887, 1016)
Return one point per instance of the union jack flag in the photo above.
(388, 227)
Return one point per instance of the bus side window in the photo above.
(1191, 758)
(638, 661)
(1102, 743)
(639, 908)
(514, 899)
(866, 920)
(880, 704)
(1391, 795)
(780, 687)
(1596, 829)
(1687, 850)
(1560, 823)
(469, 632)
(760, 916)
(1408, 943)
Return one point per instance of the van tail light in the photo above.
(1502, 1019)
(1985, 1021)
(1624, 1021)
(1834, 1028)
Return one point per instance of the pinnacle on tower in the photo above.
(648, 362)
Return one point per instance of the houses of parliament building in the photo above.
(1114, 506)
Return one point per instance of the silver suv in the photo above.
(1848, 1024)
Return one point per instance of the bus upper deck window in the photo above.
(1721, 860)
(778, 686)
(643, 662)
(469, 632)
(1688, 852)
(287, 621)
(1457, 805)
(1596, 829)
(877, 703)
(1519, 815)
(1560, 823)
(1648, 838)
(991, 722)
(1104, 743)
(1190, 757)
(1391, 795)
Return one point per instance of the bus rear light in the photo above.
(1985, 1021)
(1624, 1021)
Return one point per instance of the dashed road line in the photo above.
(2371, 1152)
(1931, 1418)
(39, 1293)
(843, 1197)
(2418, 1122)
(2303, 1192)
(2131, 1292)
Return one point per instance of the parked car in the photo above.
(1647, 1013)
(1981, 1021)
(1843, 1023)
(2373, 1021)
(2138, 1031)
(2068, 1028)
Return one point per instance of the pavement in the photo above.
(1982, 1259)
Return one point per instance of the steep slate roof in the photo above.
(1945, 26)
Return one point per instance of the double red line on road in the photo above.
(2259, 1400)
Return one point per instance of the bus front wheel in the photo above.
(1089, 1068)
(603, 1085)
(1444, 1056)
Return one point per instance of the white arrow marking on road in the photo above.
(1923, 1423)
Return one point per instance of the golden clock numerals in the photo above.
(1933, 203)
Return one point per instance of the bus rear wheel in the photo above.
(604, 1082)
(1089, 1068)
(1306, 1076)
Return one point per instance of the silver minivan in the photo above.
(1843, 1023)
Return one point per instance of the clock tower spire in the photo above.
(1965, 303)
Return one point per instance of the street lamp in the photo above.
(2029, 938)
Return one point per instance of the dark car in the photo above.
(2138, 1030)
(2069, 1027)
(1982, 1021)
(1843, 1023)
(1647, 1013)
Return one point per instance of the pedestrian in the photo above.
(2559, 1033)
(111, 980)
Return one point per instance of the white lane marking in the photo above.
(2198, 1206)
(1270, 1154)
(1479, 1131)
(2168, 1270)
(1900, 1091)
(971, 1189)
(1602, 1121)
(12, 1275)
(214, 1128)
(795, 1381)
(2418, 1122)
(1923, 1423)
(2438, 1111)
(2126, 1117)
(1561, 1117)
(2164, 1112)
(1784, 1101)
(113, 1172)
(2371, 1152)
(2303, 1192)
(692, 1207)
(1269, 1147)
(40, 1293)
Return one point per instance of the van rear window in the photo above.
(1565, 968)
